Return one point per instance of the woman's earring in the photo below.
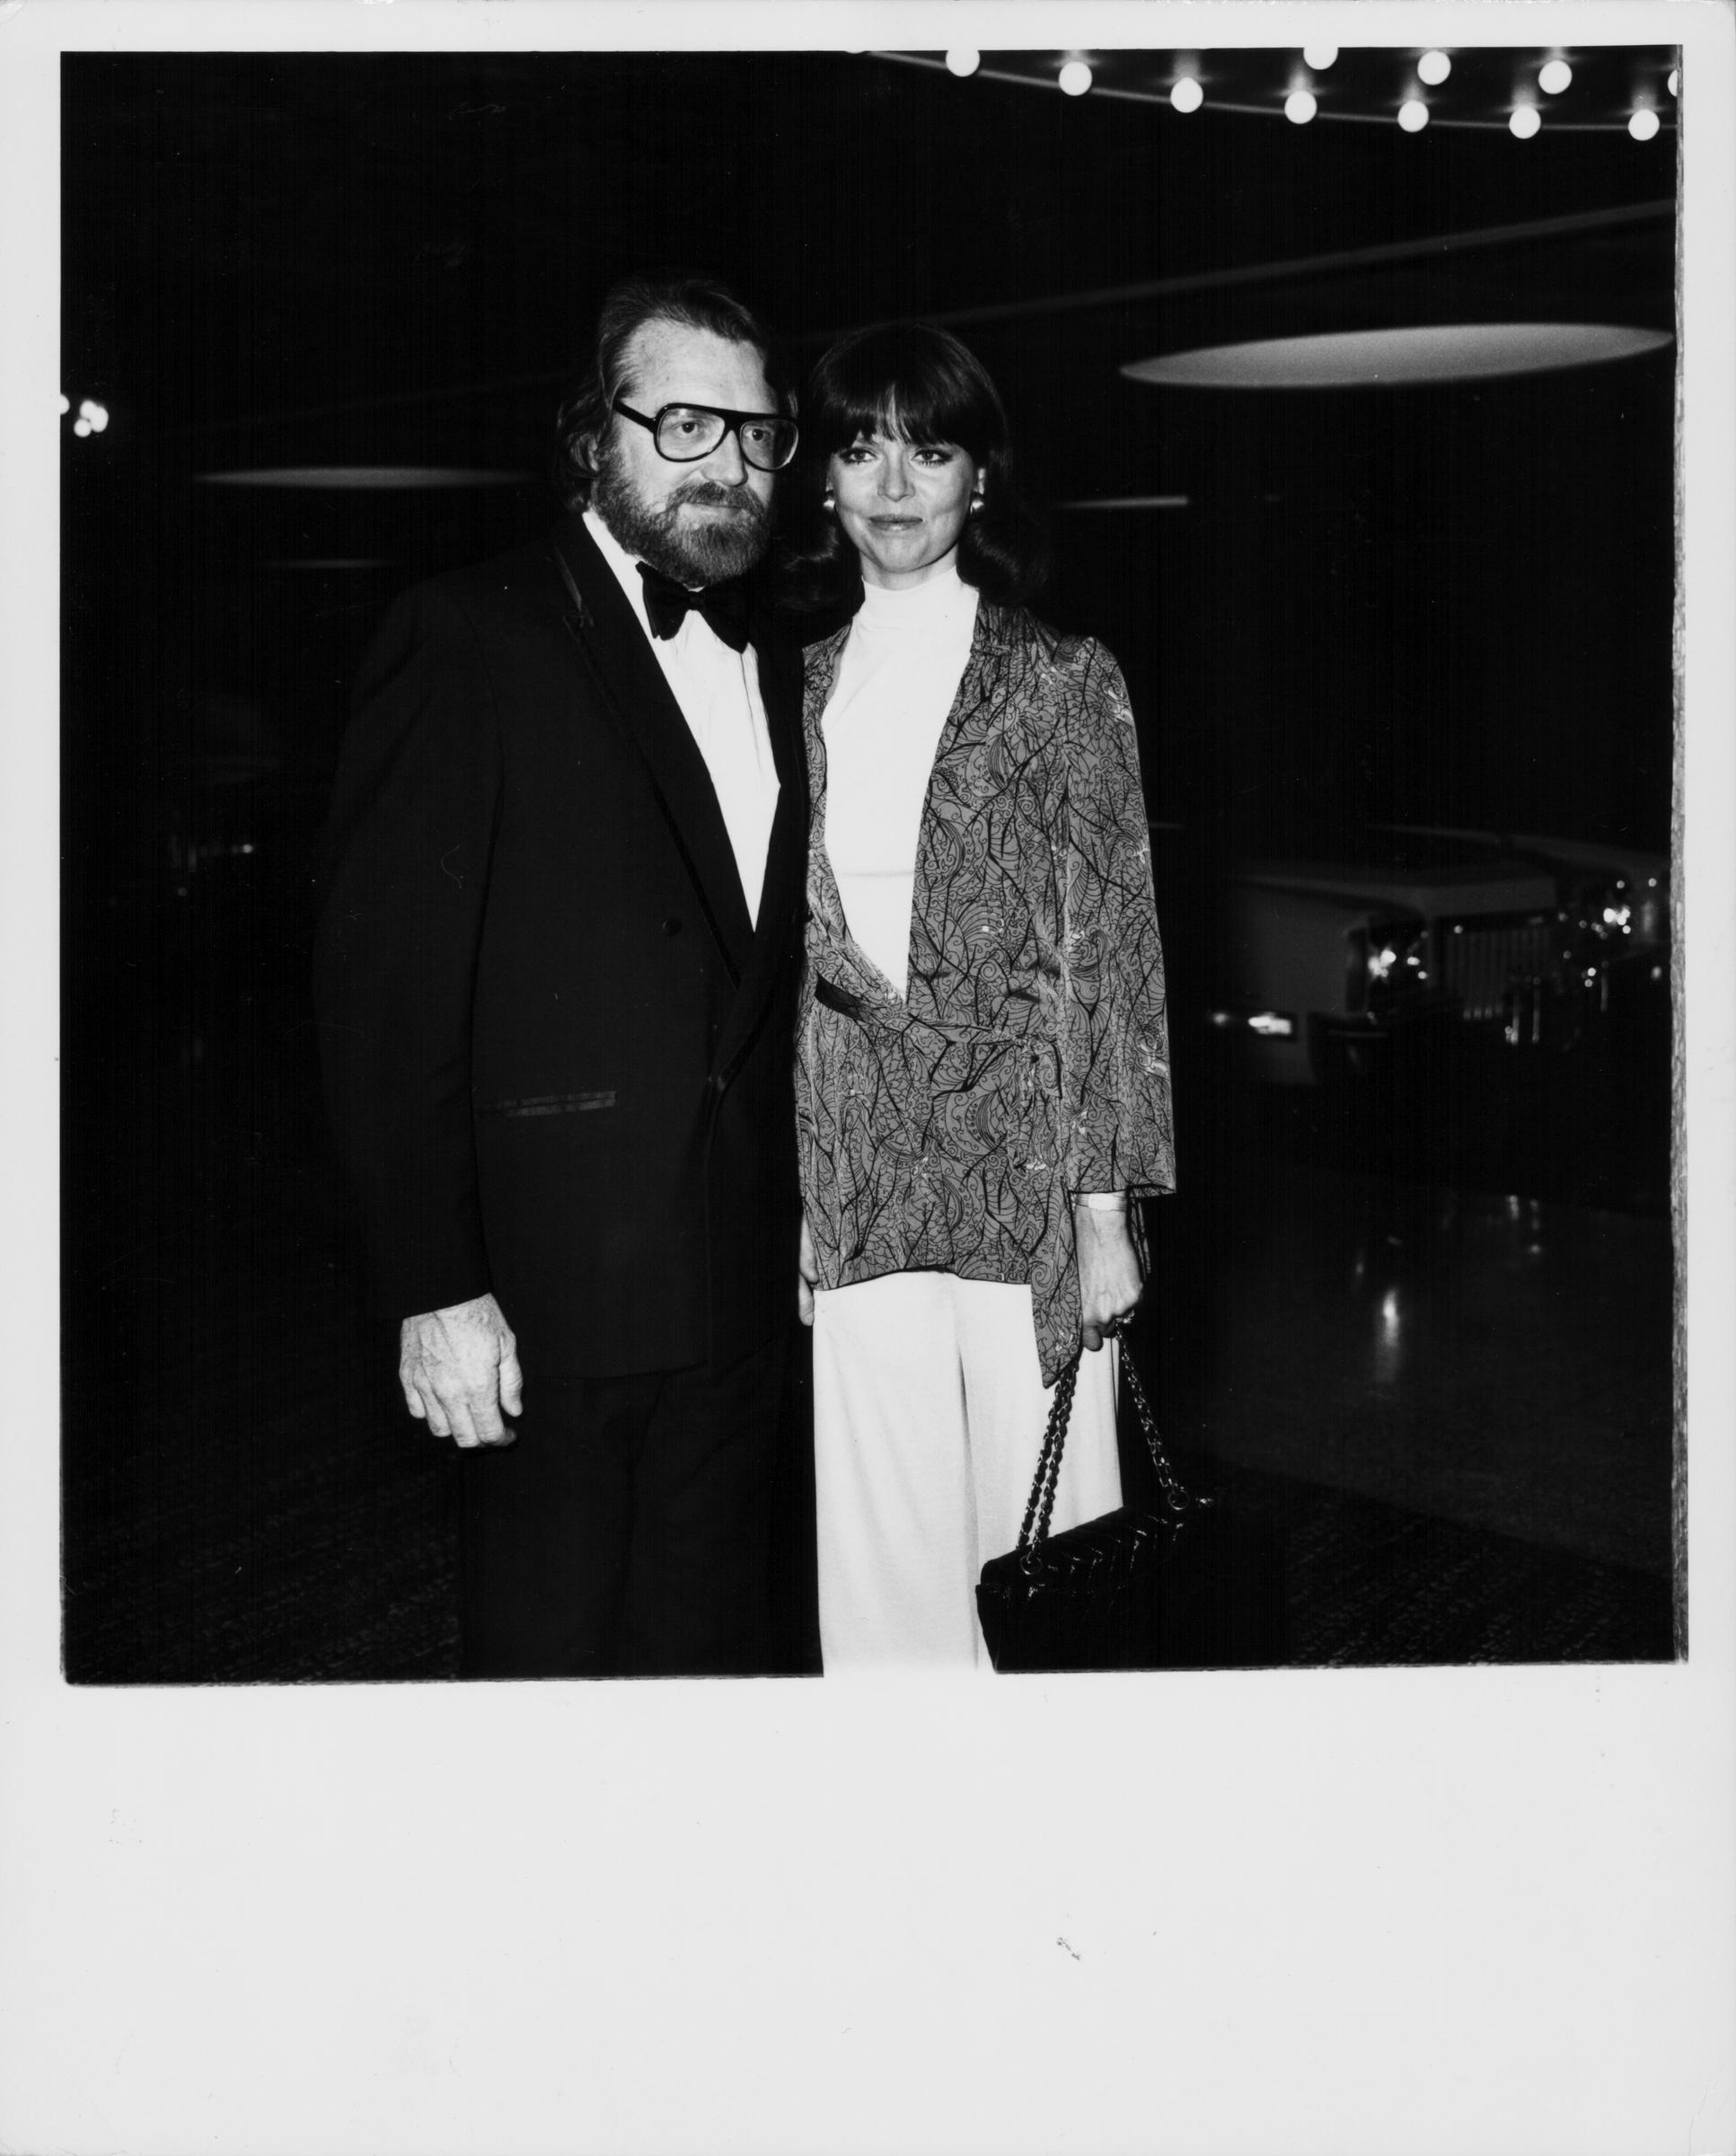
(976, 504)
(829, 502)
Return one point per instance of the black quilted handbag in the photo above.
(1174, 1589)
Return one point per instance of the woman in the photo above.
(982, 1083)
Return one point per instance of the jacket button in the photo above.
(672, 925)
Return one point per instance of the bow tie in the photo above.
(723, 605)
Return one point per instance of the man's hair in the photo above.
(680, 297)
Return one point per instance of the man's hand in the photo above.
(1109, 1281)
(808, 1266)
(459, 1368)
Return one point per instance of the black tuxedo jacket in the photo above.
(557, 1055)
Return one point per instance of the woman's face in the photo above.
(903, 506)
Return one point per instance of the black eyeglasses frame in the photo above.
(732, 423)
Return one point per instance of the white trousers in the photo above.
(929, 1415)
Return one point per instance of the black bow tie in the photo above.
(723, 605)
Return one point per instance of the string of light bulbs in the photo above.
(1548, 76)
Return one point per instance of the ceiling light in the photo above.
(1075, 78)
(1674, 84)
(1131, 501)
(1433, 68)
(1524, 121)
(961, 60)
(66, 401)
(81, 428)
(96, 414)
(1644, 125)
(1413, 115)
(1397, 358)
(360, 478)
(1553, 77)
(1186, 96)
(1300, 107)
(1319, 56)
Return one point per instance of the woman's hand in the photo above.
(808, 1267)
(1109, 1281)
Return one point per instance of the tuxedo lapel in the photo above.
(633, 687)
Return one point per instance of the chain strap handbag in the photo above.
(1134, 1589)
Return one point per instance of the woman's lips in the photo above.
(895, 524)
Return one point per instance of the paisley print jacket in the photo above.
(952, 1127)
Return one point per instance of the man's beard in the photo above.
(705, 553)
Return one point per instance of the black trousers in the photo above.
(626, 1531)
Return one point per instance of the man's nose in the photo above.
(726, 463)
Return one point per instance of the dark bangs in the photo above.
(907, 379)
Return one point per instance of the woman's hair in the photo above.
(673, 296)
(917, 383)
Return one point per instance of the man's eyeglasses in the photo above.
(683, 433)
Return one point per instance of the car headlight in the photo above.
(1620, 913)
(1397, 962)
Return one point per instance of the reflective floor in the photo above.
(1497, 1361)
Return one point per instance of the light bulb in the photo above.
(66, 401)
(1644, 125)
(81, 428)
(96, 415)
(1553, 77)
(1413, 115)
(1524, 121)
(1300, 107)
(1433, 68)
(1319, 56)
(1674, 84)
(1075, 78)
(1186, 96)
(961, 60)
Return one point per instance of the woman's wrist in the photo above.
(1103, 1201)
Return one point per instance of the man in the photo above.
(555, 976)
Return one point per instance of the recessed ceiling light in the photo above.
(1395, 358)
(1130, 501)
(365, 478)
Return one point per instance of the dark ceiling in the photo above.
(320, 260)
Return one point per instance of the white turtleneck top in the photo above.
(895, 684)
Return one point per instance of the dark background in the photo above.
(1449, 604)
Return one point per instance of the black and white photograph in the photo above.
(873, 914)
(429, 1002)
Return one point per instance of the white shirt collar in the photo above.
(624, 565)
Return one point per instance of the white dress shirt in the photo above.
(718, 693)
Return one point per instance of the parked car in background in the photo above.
(1497, 937)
